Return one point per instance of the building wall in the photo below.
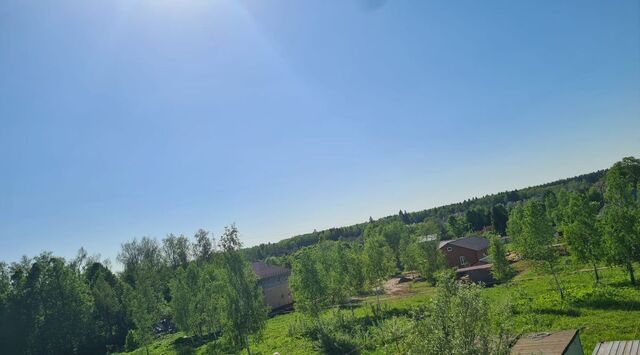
(453, 257)
(276, 292)
(575, 348)
(479, 275)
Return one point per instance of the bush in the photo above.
(132, 342)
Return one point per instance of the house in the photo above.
(477, 274)
(565, 342)
(464, 252)
(630, 347)
(274, 281)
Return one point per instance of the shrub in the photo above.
(132, 341)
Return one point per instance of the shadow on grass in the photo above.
(622, 283)
(558, 312)
(187, 345)
(607, 303)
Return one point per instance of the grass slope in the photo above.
(609, 311)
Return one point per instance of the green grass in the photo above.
(604, 312)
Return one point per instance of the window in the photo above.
(463, 261)
(449, 249)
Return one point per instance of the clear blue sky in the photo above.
(126, 118)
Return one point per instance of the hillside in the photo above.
(289, 245)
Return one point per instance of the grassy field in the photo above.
(608, 311)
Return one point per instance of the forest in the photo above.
(203, 290)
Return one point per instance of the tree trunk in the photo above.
(555, 277)
(595, 270)
(632, 275)
(246, 340)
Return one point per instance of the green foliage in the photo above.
(335, 263)
(378, 261)
(176, 250)
(131, 342)
(499, 217)
(533, 235)
(393, 233)
(477, 218)
(425, 257)
(244, 310)
(581, 231)
(203, 248)
(440, 214)
(50, 306)
(310, 289)
(49, 311)
(110, 313)
(457, 226)
(501, 269)
(620, 221)
(196, 299)
(458, 321)
(146, 303)
(430, 226)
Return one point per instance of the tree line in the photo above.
(206, 289)
(456, 219)
(597, 226)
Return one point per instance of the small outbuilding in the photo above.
(274, 281)
(628, 347)
(566, 342)
(477, 274)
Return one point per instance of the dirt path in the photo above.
(393, 287)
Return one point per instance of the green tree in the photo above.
(430, 226)
(145, 253)
(429, 259)
(499, 217)
(457, 226)
(501, 268)
(620, 218)
(534, 236)
(176, 250)
(392, 233)
(409, 255)
(476, 218)
(203, 248)
(581, 231)
(355, 273)
(459, 321)
(245, 311)
(334, 266)
(379, 263)
(146, 304)
(195, 299)
(53, 308)
(310, 289)
(110, 314)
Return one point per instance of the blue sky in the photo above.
(126, 118)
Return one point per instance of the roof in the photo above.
(428, 238)
(545, 343)
(477, 267)
(473, 243)
(265, 271)
(630, 347)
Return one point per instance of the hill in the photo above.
(480, 205)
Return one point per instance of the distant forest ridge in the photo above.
(441, 213)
